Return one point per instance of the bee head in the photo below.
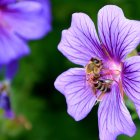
(96, 61)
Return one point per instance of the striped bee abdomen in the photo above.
(103, 86)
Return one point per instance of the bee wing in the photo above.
(108, 81)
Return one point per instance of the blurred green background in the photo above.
(42, 109)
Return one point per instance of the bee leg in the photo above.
(100, 97)
(96, 102)
(95, 91)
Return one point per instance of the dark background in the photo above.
(34, 97)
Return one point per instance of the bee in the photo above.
(94, 67)
(103, 85)
(94, 77)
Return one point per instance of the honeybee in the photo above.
(93, 70)
(94, 67)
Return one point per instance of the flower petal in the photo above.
(79, 96)
(12, 47)
(46, 11)
(131, 80)
(27, 14)
(80, 42)
(5, 104)
(11, 69)
(113, 116)
(3, 2)
(9, 114)
(118, 34)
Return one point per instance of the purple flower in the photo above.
(80, 44)
(21, 21)
(5, 102)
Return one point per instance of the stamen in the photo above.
(121, 88)
(107, 54)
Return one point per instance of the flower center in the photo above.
(102, 75)
(112, 71)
